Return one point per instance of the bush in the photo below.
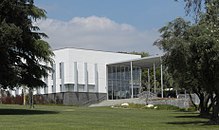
(166, 107)
(142, 106)
(132, 105)
(18, 99)
(39, 99)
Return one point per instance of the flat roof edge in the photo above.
(58, 49)
(137, 59)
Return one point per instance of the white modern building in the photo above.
(81, 70)
(83, 76)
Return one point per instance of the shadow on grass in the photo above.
(193, 116)
(24, 112)
(190, 116)
(188, 122)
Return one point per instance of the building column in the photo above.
(116, 81)
(38, 90)
(149, 81)
(85, 78)
(75, 77)
(16, 91)
(161, 78)
(46, 88)
(140, 84)
(112, 82)
(132, 86)
(54, 78)
(155, 86)
(107, 88)
(96, 78)
(120, 80)
(124, 78)
(62, 76)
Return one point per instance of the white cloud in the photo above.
(98, 33)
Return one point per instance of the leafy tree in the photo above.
(10, 34)
(197, 7)
(24, 55)
(210, 35)
(192, 56)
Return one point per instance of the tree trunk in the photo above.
(214, 117)
(203, 106)
(190, 96)
(23, 96)
(31, 98)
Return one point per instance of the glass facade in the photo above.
(119, 82)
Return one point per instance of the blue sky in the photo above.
(119, 20)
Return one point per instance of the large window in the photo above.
(119, 82)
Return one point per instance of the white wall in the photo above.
(81, 56)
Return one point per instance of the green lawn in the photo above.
(83, 118)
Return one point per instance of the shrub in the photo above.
(132, 105)
(142, 106)
(18, 99)
(39, 99)
(166, 107)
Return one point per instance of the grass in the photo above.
(83, 118)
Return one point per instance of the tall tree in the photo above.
(210, 37)
(24, 55)
(192, 56)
